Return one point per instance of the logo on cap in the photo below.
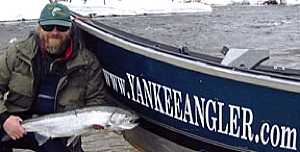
(57, 11)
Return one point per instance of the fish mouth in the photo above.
(135, 121)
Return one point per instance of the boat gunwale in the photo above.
(173, 57)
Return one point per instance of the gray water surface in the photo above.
(275, 28)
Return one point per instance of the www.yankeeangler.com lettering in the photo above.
(205, 113)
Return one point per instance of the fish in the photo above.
(78, 122)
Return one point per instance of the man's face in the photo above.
(54, 38)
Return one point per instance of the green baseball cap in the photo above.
(55, 14)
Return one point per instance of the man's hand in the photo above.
(12, 126)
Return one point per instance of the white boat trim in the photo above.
(261, 80)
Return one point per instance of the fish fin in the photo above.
(41, 139)
(71, 140)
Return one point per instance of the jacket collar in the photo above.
(29, 47)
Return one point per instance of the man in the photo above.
(48, 72)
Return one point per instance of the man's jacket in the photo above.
(81, 84)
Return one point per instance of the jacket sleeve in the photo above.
(95, 91)
(4, 79)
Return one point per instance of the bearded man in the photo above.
(48, 72)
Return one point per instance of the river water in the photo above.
(275, 28)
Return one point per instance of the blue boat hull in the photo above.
(205, 109)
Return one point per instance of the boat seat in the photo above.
(244, 58)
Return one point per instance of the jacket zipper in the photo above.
(61, 83)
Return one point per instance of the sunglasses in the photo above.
(50, 28)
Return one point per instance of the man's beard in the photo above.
(55, 45)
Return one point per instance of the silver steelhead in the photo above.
(77, 122)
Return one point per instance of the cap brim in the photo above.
(56, 22)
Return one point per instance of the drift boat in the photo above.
(195, 102)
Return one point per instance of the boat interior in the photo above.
(255, 68)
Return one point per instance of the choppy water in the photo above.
(276, 28)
